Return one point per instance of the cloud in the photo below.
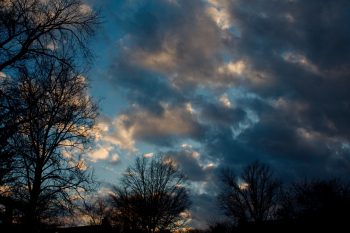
(184, 43)
(148, 155)
(300, 60)
(105, 149)
(115, 158)
(219, 14)
(232, 68)
(160, 129)
(106, 152)
(221, 112)
(101, 153)
(85, 9)
(224, 100)
(123, 134)
(189, 162)
(2, 75)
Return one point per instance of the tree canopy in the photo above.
(152, 195)
(32, 29)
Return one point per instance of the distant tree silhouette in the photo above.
(220, 227)
(151, 196)
(48, 173)
(31, 29)
(324, 202)
(250, 197)
(98, 210)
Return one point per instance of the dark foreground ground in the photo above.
(269, 227)
(83, 229)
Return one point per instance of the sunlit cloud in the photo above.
(123, 134)
(82, 165)
(148, 127)
(301, 60)
(224, 100)
(219, 15)
(162, 61)
(85, 9)
(148, 155)
(101, 153)
(232, 68)
(243, 185)
(189, 108)
(115, 158)
(2, 75)
(52, 46)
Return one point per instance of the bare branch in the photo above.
(151, 196)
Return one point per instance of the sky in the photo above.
(217, 83)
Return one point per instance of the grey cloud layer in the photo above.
(304, 46)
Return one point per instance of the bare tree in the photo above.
(5, 154)
(8, 126)
(48, 173)
(152, 195)
(30, 31)
(252, 196)
(97, 210)
(35, 28)
(321, 202)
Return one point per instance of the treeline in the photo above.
(255, 200)
(153, 196)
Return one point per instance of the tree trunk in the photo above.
(32, 215)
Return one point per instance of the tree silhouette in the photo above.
(250, 197)
(98, 210)
(6, 159)
(151, 196)
(48, 173)
(8, 126)
(320, 202)
(31, 29)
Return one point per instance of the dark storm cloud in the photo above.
(205, 211)
(189, 164)
(144, 87)
(196, 166)
(304, 49)
(300, 44)
(218, 114)
(277, 139)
